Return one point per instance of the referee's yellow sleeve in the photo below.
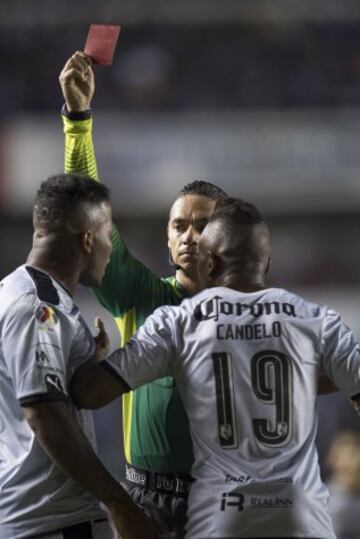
(79, 155)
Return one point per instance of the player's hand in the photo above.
(102, 341)
(77, 82)
(132, 523)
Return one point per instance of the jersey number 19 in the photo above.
(271, 383)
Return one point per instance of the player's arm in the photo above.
(35, 361)
(59, 434)
(148, 356)
(95, 385)
(326, 386)
(78, 85)
(341, 355)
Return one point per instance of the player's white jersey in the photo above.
(246, 366)
(43, 339)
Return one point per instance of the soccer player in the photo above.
(155, 429)
(245, 359)
(51, 480)
(157, 441)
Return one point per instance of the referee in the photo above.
(156, 434)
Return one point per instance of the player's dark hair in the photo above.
(203, 188)
(62, 193)
(235, 212)
(244, 238)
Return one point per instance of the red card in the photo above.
(101, 42)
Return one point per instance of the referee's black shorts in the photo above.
(95, 529)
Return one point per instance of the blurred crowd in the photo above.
(172, 67)
(344, 484)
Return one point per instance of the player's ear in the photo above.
(268, 265)
(213, 265)
(88, 241)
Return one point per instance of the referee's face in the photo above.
(188, 218)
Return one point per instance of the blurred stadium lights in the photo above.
(45, 12)
(258, 96)
(304, 161)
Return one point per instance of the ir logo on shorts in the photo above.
(232, 499)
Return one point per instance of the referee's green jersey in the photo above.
(155, 426)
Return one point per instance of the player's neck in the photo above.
(57, 255)
(61, 272)
(243, 282)
(188, 282)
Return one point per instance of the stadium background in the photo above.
(262, 98)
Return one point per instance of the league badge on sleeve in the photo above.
(47, 317)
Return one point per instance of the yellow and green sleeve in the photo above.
(156, 431)
(79, 154)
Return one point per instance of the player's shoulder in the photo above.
(166, 312)
(26, 278)
(303, 307)
(26, 290)
(190, 305)
(177, 292)
(17, 301)
(43, 286)
(16, 289)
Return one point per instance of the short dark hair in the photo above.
(240, 237)
(202, 188)
(62, 193)
(237, 218)
(237, 211)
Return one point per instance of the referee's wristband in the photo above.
(76, 115)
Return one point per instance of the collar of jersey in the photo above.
(53, 279)
(179, 289)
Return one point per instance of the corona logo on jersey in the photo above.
(47, 317)
(214, 307)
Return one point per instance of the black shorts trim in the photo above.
(82, 530)
(174, 484)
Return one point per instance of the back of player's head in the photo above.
(201, 188)
(235, 213)
(61, 196)
(239, 233)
